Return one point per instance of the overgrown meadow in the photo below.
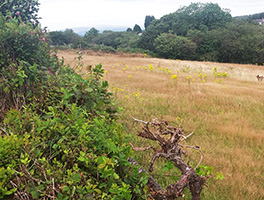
(222, 103)
(65, 117)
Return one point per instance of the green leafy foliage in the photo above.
(208, 171)
(196, 16)
(137, 28)
(26, 9)
(67, 37)
(172, 46)
(90, 35)
(204, 170)
(148, 20)
(220, 176)
(58, 138)
(213, 35)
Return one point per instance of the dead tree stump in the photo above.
(171, 150)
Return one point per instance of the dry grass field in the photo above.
(222, 103)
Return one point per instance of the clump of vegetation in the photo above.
(59, 137)
(202, 77)
(219, 74)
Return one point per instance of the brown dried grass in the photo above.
(227, 117)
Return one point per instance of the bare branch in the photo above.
(196, 148)
(138, 120)
(181, 124)
(31, 177)
(175, 134)
(156, 155)
(4, 130)
(141, 148)
(186, 137)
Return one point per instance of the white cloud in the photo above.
(60, 14)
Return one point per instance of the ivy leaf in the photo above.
(116, 176)
(66, 189)
(35, 194)
(89, 90)
(111, 146)
(101, 166)
(76, 177)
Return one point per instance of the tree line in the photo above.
(200, 31)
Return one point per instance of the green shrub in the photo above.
(108, 49)
(58, 135)
(96, 47)
(20, 42)
(25, 63)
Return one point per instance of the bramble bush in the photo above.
(59, 136)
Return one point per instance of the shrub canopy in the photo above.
(58, 135)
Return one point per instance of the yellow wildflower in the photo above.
(174, 77)
(136, 94)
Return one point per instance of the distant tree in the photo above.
(250, 17)
(169, 45)
(117, 39)
(204, 31)
(129, 30)
(203, 14)
(70, 36)
(129, 40)
(27, 10)
(241, 43)
(196, 36)
(148, 20)
(57, 38)
(137, 29)
(154, 30)
(90, 35)
(64, 37)
(109, 38)
(206, 49)
(196, 16)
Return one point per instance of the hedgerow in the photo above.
(59, 136)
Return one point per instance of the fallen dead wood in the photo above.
(171, 150)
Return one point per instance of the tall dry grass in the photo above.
(227, 114)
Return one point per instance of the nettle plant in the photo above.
(59, 138)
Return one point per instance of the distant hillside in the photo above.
(82, 30)
(253, 17)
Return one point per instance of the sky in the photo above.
(62, 14)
